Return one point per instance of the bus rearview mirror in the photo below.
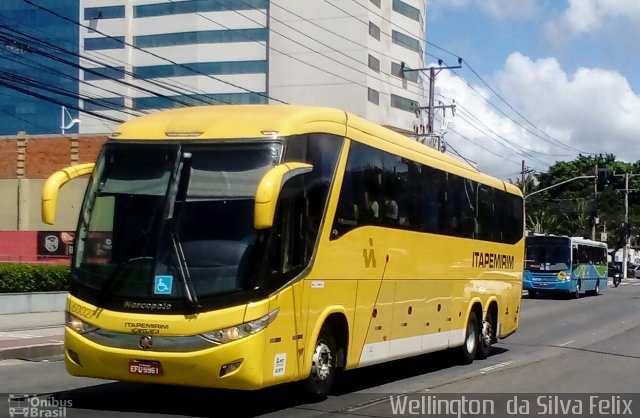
(269, 189)
(52, 187)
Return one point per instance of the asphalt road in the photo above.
(565, 348)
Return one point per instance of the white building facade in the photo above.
(140, 56)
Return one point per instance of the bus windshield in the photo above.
(551, 254)
(171, 222)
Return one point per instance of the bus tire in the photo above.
(317, 385)
(486, 337)
(576, 294)
(467, 352)
(532, 294)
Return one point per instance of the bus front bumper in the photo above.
(235, 365)
(547, 286)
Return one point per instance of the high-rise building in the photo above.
(139, 56)
(38, 66)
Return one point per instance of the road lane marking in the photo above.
(563, 344)
(495, 367)
(18, 335)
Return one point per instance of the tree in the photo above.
(574, 207)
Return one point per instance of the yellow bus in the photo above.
(246, 246)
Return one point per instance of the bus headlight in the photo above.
(77, 324)
(562, 276)
(225, 335)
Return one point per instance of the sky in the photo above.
(540, 80)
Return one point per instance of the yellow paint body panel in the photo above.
(399, 292)
(228, 122)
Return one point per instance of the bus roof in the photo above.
(577, 240)
(278, 120)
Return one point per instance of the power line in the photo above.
(52, 100)
(520, 114)
(338, 35)
(500, 136)
(556, 141)
(509, 117)
(153, 54)
(53, 71)
(311, 49)
(477, 75)
(480, 146)
(94, 70)
(28, 43)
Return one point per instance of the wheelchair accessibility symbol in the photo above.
(163, 285)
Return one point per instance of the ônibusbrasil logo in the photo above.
(25, 405)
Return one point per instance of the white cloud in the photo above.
(499, 9)
(592, 110)
(586, 16)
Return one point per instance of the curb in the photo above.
(32, 352)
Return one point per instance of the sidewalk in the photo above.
(31, 336)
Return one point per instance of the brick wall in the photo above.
(89, 148)
(8, 158)
(43, 155)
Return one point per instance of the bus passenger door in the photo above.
(287, 257)
(375, 296)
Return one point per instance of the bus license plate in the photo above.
(149, 368)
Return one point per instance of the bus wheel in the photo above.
(596, 292)
(323, 367)
(470, 346)
(576, 295)
(532, 294)
(486, 338)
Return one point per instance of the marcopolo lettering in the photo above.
(492, 260)
(148, 306)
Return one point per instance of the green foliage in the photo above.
(574, 207)
(17, 278)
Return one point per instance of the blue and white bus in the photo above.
(564, 264)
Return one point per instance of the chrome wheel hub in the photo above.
(322, 359)
(487, 332)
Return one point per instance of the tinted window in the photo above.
(406, 9)
(373, 96)
(374, 63)
(301, 205)
(383, 189)
(201, 37)
(106, 12)
(374, 31)
(406, 41)
(93, 44)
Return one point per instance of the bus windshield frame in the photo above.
(167, 227)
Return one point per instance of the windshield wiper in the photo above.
(189, 292)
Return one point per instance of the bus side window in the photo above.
(485, 213)
(360, 202)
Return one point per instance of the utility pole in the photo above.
(432, 87)
(627, 235)
(524, 172)
(625, 250)
(522, 178)
(595, 201)
(431, 106)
